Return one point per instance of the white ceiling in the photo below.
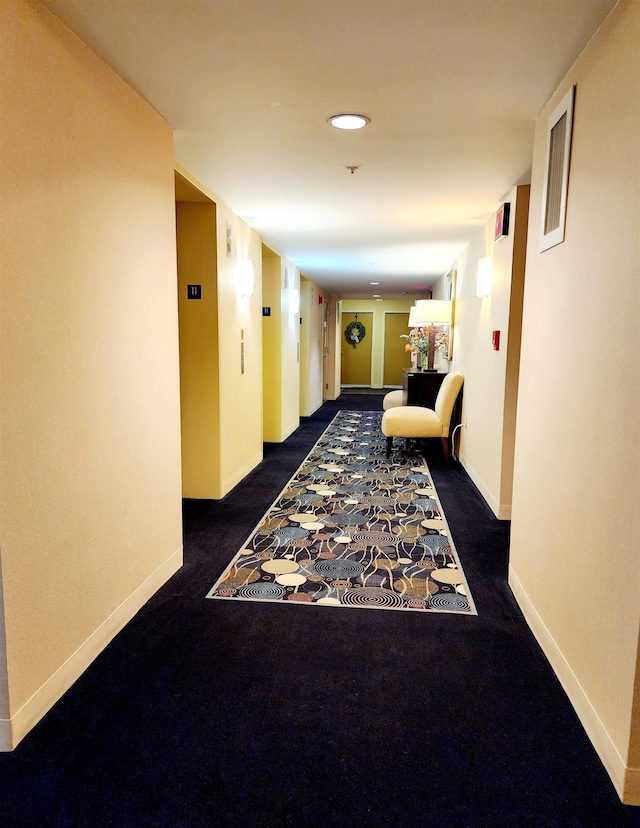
(452, 88)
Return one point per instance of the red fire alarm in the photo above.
(495, 338)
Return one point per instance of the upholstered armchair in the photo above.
(416, 422)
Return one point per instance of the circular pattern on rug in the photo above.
(451, 601)
(302, 517)
(415, 586)
(267, 591)
(300, 597)
(378, 500)
(427, 563)
(287, 533)
(241, 576)
(385, 563)
(312, 526)
(447, 576)
(339, 568)
(427, 504)
(292, 579)
(434, 523)
(279, 566)
(355, 486)
(371, 596)
(350, 519)
(375, 538)
(434, 542)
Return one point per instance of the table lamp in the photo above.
(429, 313)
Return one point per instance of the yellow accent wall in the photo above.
(574, 566)
(396, 358)
(378, 309)
(90, 511)
(226, 411)
(199, 375)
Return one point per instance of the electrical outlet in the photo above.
(465, 422)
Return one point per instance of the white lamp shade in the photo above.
(483, 277)
(427, 312)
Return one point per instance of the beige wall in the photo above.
(378, 309)
(575, 567)
(90, 522)
(281, 337)
(333, 334)
(311, 347)
(491, 377)
(239, 320)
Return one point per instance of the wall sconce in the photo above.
(245, 277)
(483, 276)
(294, 300)
(429, 313)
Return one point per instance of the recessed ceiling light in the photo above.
(376, 295)
(348, 121)
(374, 283)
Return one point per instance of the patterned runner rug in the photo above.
(352, 529)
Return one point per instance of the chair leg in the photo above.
(389, 445)
(445, 447)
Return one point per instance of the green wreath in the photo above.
(354, 332)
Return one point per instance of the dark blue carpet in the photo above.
(214, 713)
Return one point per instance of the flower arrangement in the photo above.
(419, 340)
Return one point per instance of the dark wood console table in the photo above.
(421, 387)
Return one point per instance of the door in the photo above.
(396, 359)
(356, 352)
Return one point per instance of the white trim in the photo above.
(241, 473)
(625, 780)
(13, 730)
(501, 510)
(564, 109)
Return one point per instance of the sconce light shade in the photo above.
(483, 278)
(245, 277)
(427, 312)
(294, 300)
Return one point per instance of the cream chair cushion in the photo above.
(392, 399)
(414, 421)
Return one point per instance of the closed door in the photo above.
(396, 359)
(356, 351)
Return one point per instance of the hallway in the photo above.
(213, 713)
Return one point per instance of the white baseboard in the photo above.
(625, 780)
(240, 474)
(13, 730)
(501, 510)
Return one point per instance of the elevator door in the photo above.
(356, 356)
(396, 359)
